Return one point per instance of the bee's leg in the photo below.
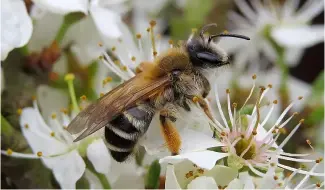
(169, 132)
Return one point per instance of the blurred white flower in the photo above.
(288, 26)
(16, 26)
(102, 21)
(54, 145)
(187, 175)
(245, 142)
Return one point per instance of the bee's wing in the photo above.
(97, 115)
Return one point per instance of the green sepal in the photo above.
(152, 177)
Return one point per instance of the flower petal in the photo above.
(171, 179)
(222, 175)
(235, 184)
(129, 181)
(299, 37)
(93, 180)
(51, 100)
(202, 182)
(204, 159)
(16, 26)
(68, 169)
(107, 21)
(62, 6)
(97, 153)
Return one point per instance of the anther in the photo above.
(124, 68)
(65, 127)
(138, 36)
(317, 161)
(254, 77)
(39, 154)
(9, 151)
(269, 85)
(52, 134)
(320, 159)
(152, 23)
(69, 77)
(19, 111)
(100, 44)
(194, 30)
(117, 62)
(262, 88)
(154, 53)
(195, 99)
(275, 177)
(26, 126)
(171, 42)
(272, 164)
(301, 121)
(64, 110)
(148, 29)
(194, 165)
(283, 131)
(273, 131)
(318, 184)
(113, 48)
(234, 105)
(227, 91)
(201, 171)
(223, 133)
(300, 97)
(53, 116)
(100, 57)
(83, 97)
(242, 136)
(254, 132)
(275, 101)
(101, 94)
(33, 98)
(296, 113)
(133, 58)
(225, 32)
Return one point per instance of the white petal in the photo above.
(204, 159)
(93, 180)
(97, 153)
(68, 169)
(16, 26)
(299, 37)
(45, 29)
(202, 182)
(107, 21)
(51, 100)
(129, 181)
(222, 175)
(235, 184)
(63, 6)
(247, 180)
(171, 179)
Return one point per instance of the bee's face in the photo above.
(205, 54)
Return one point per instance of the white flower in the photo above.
(55, 147)
(288, 27)
(16, 26)
(187, 175)
(245, 142)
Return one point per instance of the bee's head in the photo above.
(204, 52)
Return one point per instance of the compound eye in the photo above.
(207, 57)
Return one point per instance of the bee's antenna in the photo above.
(229, 35)
(205, 28)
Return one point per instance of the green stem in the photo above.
(102, 178)
(24, 50)
(68, 21)
(69, 79)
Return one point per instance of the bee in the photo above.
(171, 82)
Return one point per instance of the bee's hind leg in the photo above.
(169, 132)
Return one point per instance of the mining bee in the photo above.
(171, 82)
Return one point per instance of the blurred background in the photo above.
(286, 50)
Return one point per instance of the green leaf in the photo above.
(6, 128)
(152, 177)
(316, 116)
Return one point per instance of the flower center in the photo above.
(242, 145)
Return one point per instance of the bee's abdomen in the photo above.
(123, 132)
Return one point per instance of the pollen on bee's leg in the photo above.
(171, 135)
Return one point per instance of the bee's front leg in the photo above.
(169, 132)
